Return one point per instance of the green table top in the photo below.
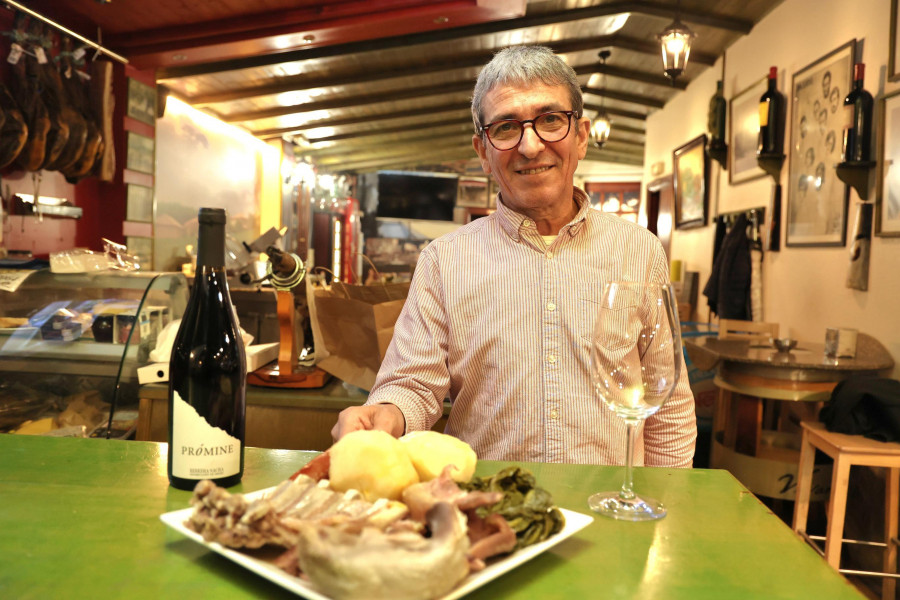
(80, 518)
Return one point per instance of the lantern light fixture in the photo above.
(602, 125)
(675, 42)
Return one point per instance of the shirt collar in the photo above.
(514, 223)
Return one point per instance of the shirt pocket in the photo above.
(620, 329)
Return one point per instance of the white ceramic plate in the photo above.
(574, 523)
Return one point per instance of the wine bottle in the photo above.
(207, 373)
(857, 146)
(771, 118)
(716, 118)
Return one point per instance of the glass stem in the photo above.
(627, 492)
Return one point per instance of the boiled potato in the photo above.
(373, 462)
(431, 451)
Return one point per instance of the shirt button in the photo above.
(551, 306)
(551, 359)
(549, 254)
(554, 414)
(526, 223)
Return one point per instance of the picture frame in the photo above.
(141, 102)
(893, 73)
(138, 203)
(140, 153)
(816, 199)
(743, 119)
(691, 173)
(887, 200)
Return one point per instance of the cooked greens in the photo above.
(528, 509)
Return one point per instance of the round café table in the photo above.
(760, 388)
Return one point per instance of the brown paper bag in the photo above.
(352, 327)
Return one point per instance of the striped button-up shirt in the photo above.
(501, 324)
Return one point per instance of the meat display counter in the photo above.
(71, 344)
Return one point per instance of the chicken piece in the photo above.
(395, 566)
(420, 497)
(236, 522)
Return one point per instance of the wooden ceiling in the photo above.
(365, 85)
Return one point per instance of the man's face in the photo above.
(535, 175)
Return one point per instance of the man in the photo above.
(500, 312)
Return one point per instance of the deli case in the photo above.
(71, 345)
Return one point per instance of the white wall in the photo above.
(804, 288)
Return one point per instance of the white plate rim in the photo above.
(575, 522)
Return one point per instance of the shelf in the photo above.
(856, 174)
(719, 153)
(771, 164)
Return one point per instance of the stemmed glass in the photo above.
(635, 365)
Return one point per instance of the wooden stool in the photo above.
(848, 450)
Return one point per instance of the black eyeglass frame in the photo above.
(569, 114)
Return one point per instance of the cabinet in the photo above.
(71, 344)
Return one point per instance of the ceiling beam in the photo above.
(631, 74)
(305, 82)
(702, 17)
(616, 112)
(403, 114)
(625, 97)
(348, 101)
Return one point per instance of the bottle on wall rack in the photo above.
(771, 118)
(857, 144)
(716, 118)
(207, 373)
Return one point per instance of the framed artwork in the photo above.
(472, 191)
(141, 102)
(887, 203)
(139, 153)
(138, 203)
(691, 189)
(817, 199)
(894, 57)
(744, 134)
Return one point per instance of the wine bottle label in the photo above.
(201, 451)
(763, 113)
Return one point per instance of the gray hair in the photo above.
(519, 65)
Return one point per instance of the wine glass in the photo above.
(635, 365)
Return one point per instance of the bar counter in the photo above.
(80, 518)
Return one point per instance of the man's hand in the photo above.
(386, 417)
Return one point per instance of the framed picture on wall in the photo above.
(141, 102)
(887, 208)
(817, 199)
(138, 203)
(894, 56)
(744, 134)
(139, 154)
(691, 188)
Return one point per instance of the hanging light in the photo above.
(675, 42)
(602, 125)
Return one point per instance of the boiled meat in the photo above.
(376, 565)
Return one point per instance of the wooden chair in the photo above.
(740, 419)
(848, 450)
(754, 331)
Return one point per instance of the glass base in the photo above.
(611, 504)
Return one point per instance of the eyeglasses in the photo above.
(549, 127)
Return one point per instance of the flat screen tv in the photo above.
(411, 195)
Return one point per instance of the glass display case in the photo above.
(71, 344)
